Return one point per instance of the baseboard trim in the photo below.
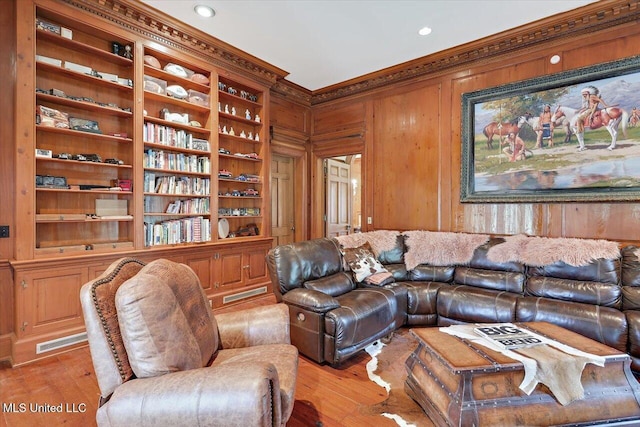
(5, 347)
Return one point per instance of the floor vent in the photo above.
(43, 347)
(242, 295)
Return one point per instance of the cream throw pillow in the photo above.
(165, 320)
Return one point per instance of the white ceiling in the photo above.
(325, 42)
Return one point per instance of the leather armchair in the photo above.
(161, 357)
(331, 317)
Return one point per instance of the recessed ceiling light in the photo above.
(204, 11)
(424, 31)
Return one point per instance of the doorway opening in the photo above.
(343, 195)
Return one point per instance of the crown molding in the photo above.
(154, 25)
(292, 91)
(589, 19)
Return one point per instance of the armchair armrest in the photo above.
(243, 394)
(311, 300)
(255, 326)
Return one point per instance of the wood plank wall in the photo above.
(412, 147)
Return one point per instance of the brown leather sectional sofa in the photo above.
(333, 317)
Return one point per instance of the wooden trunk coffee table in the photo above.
(459, 383)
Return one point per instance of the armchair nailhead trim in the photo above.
(103, 321)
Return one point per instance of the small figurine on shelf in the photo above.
(243, 135)
(232, 91)
(224, 130)
(257, 137)
(127, 52)
(250, 136)
(219, 128)
(222, 86)
(219, 106)
(247, 114)
(257, 118)
(233, 110)
(231, 131)
(226, 109)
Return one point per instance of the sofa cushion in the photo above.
(334, 285)
(633, 319)
(604, 324)
(432, 273)
(421, 302)
(490, 279)
(165, 319)
(630, 278)
(459, 303)
(362, 262)
(596, 293)
(290, 266)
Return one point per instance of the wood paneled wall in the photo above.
(413, 146)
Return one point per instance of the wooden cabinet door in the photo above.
(49, 300)
(203, 267)
(255, 266)
(230, 269)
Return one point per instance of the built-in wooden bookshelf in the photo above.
(137, 178)
(177, 152)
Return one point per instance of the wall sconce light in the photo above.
(554, 59)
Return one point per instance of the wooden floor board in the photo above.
(325, 396)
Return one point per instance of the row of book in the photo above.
(165, 135)
(171, 184)
(159, 159)
(190, 206)
(185, 230)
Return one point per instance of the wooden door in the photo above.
(282, 200)
(338, 202)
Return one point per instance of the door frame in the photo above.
(320, 151)
(300, 157)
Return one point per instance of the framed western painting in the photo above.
(567, 137)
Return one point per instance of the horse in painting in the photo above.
(502, 129)
(609, 118)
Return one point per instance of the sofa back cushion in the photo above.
(490, 279)
(604, 324)
(465, 304)
(166, 321)
(596, 283)
(290, 266)
(631, 278)
(432, 273)
(394, 255)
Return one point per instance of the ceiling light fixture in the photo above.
(424, 31)
(204, 11)
(554, 59)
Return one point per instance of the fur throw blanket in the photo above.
(541, 251)
(380, 240)
(440, 248)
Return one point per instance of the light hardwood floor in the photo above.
(325, 396)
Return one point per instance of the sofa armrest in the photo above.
(255, 326)
(243, 394)
(311, 300)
